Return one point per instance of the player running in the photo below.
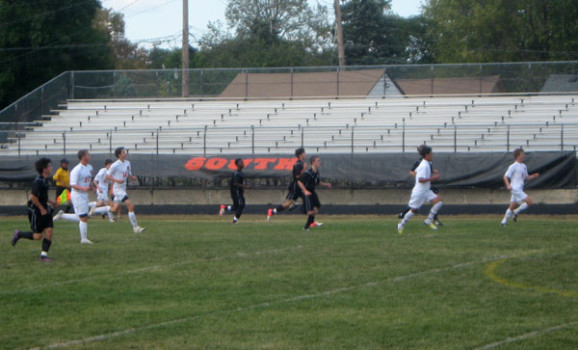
(422, 192)
(237, 192)
(515, 178)
(39, 213)
(294, 189)
(307, 182)
(118, 173)
(102, 188)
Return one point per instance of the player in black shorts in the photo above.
(307, 182)
(434, 190)
(39, 213)
(294, 190)
(237, 192)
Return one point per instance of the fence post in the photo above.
(561, 137)
(19, 150)
(302, 137)
(291, 83)
(158, 132)
(71, 92)
(508, 139)
(253, 140)
(110, 142)
(403, 138)
(246, 85)
(205, 142)
(352, 139)
(455, 138)
(64, 143)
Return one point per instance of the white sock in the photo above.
(275, 211)
(132, 219)
(407, 216)
(110, 215)
(102, 210)
(507, 216)
(70, 217)
(521, 208)
(83, 226)
(434, 210)
(228, 208)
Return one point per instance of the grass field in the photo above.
(355, 283)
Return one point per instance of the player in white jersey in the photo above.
(119, 173)
(102, 188)
(422, 192)
(515, 178)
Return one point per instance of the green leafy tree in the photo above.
(41, 39)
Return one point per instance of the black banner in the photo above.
(457, 170)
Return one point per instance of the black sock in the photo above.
(310, 220)
(280, 208)
(402, 214)
(46, 245)
(27, 235)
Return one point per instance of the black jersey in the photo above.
(310, 179)
(237, 179)
(296, 172)
(40, 189)
(417, 163)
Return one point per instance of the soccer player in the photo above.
(39, 213)
(118, 173)
(62, 180)
(294, 189)
(515, 178)
(434, 189)
(307, 182)
(102, 188)
(422, 192)
(237, 192)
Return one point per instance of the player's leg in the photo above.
(46, 243)
(509, 212)
(415, 202)
(525, 203)
(437, 204)
(32, 218)
(240, 206)
(132, 216)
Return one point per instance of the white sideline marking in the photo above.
(527, 336)
(263, 305)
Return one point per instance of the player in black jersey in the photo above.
(308, 182)
(434, 190)
(237, 192)
(39, 213)
(294, 189)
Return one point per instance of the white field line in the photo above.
(238, 255)
(265, 304)
(527, 336)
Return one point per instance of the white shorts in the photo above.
(80, 203)
(120, 196)
(102, 197)
(418, 199)
(517, 196)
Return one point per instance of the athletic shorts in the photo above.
(80, 203)
(293, 195)
(102, 197)
(120, 196)
(39, 223)
(517, 196)
(310, 202)
(418, 199)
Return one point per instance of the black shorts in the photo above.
(293, 195)
(39, 223)
(238, 198)
(310, 202)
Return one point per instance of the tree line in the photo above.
(40, 39)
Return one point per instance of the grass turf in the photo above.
(201, 282)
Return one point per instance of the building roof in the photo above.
(561, 83)
(448, 86)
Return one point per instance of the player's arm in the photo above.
(37, 204)
(507, 182)
(302, 185)
(325, 184)
(57, 175)
(112, 178)
(434, 177)
(533, 176)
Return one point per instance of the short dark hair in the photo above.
(238, 161)
(299, 151)
(118, 151)
(419, 148)
(107, 162)
(517, 152)
(313, 159)
(42, 164)
(82, 153)
(425, 150)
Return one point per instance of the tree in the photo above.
(41, 39)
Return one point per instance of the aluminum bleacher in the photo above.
(449, 124)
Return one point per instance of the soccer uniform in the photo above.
(103, 182)
(81, 175)
(517, 173)
(310, 179)
(294, 189)
(422, 192)
(237, 193)
(39, 222)
(120, 170)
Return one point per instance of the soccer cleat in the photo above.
(16, 237)
(436, 221)
(430, 225)
(139, 229)
(222, 210)
(235, 220)
(316, 224)
(113, 220)
(44, 258)
(399, 228)
(515, 217)
(85, 241)
(58, 215)
(269, 214)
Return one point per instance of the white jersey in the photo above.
(102, 180)
(81, 175)
(120, 170)
(423, 171)
(517, 173)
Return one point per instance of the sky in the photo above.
(159, 22)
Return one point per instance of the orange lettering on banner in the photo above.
(195, 164)
(216, 163)
(261, 163)
(285, 163)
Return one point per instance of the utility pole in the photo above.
(340, 48)
(185, 55)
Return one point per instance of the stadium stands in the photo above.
(474, 124)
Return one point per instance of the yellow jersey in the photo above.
(62, 178)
